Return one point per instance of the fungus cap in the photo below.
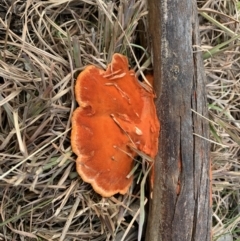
(115, 111)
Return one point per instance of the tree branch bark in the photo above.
(180, 208)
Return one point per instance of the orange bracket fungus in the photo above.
(115, 112)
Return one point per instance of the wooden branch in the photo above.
(180, 208)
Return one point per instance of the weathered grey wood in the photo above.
(183, 157)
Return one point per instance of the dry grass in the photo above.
(43, 46)
(219, 21)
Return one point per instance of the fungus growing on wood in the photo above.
(115, 112)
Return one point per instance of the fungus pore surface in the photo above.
(115, 112)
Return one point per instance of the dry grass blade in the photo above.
(70, 218)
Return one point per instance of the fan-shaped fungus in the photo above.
(115, 111)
